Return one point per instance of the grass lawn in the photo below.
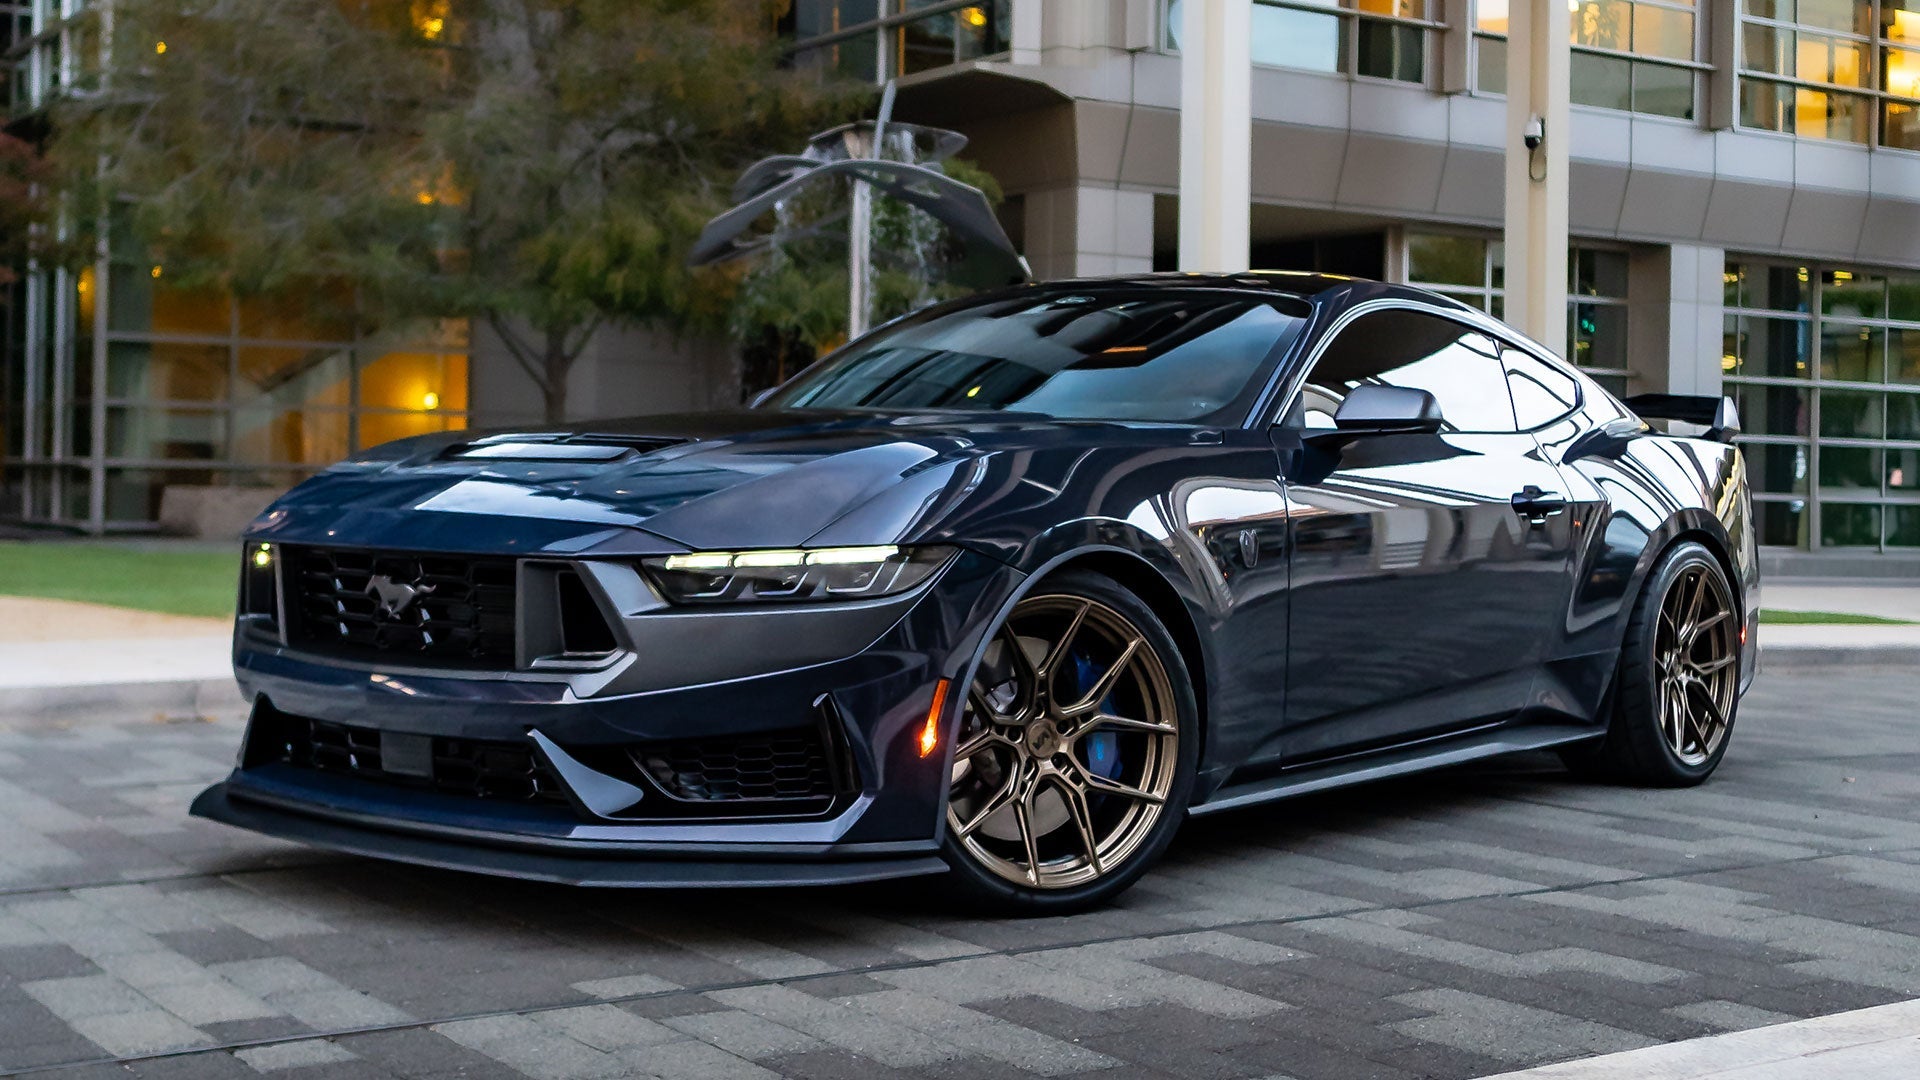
(1825, 618)
(174, 582)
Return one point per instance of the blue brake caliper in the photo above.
(1102, 747)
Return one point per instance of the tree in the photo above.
(541, 165)
(23, 207)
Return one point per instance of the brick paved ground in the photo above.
(1455, 926)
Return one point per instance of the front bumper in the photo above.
(567, 866)
(874, 692)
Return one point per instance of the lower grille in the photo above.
(502, 771)
(453, 610)
(796, 773)
(743, 768)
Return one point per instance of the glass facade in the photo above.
(1472, 269)
(881, 39)
(117, 383)
(1825, 364)
(1370, 39)
(1847, 70)
(1634, 55)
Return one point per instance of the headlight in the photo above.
(844, 573)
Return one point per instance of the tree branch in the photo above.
(519, 350)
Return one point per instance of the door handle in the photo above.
(1536, 505)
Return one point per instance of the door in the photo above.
(1423, 565)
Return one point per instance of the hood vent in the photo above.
(547, 447)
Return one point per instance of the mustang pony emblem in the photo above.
(393, 596)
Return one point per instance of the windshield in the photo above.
(1150, 354)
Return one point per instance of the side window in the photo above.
(1541, 394)
(1459, 366)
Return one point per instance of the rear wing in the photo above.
(1717, 414)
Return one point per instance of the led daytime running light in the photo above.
(725, 560)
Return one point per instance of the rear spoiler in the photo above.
(1717, 414)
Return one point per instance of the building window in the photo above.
(1472, 269)
(1632, 55)
(1373, 39)
(1847, 70)
(880, 39)
(1825, 364)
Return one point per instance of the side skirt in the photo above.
(1474, 746)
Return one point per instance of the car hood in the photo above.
(742, 479)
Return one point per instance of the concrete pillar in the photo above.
(1675, 319)
(1088, 231)
(1216, 134)
(1536, 192)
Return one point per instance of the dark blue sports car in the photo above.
(1002, 591)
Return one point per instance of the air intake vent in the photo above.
(542, 447)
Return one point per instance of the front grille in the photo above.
(476, 768)
(742, 768)
(454, 610)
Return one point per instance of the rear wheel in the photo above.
(1678, 680)
(1074, 756)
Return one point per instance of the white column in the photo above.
(1216, 134)
(1026, 32)
(1537, 89)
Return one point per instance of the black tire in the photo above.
(979, 887)
(1640, 743)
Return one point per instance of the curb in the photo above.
(1803, 658)
(37, 705)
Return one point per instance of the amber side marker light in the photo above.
(930, 734)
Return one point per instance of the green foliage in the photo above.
(543, 165)
(28, 215)
(177, 582)
(1775, 617)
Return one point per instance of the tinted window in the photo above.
(1458, 366)
(1147, 355)
(1541, 394)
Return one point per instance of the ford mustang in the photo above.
(1003, 591)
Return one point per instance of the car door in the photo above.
(1420, 563)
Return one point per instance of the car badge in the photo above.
(394, 597)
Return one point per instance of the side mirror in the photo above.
(1384, 410)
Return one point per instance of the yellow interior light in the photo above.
(975, 392)
(1843, 275)
(155, 272)
(930, 731)
(1729, 362)
(843, 556)
(430, 401)
(975, 17)
(160, 48)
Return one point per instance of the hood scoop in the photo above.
(553, 447)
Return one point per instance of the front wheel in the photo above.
(1678, 679)
(1074, 755)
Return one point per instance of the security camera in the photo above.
(1534, 133)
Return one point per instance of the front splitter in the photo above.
(218, 803)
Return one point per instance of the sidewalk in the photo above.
(1868, 1044)
(1792, 646)
(59, 658)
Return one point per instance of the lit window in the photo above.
(1631, 55)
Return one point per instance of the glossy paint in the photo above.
(1344, 611)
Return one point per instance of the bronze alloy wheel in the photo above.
(1696, 654)
(1068, 747)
